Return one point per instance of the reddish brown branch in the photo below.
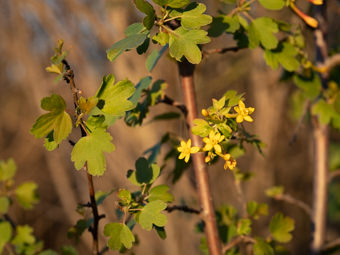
(186, 71)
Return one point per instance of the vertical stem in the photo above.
(320, 137)
(69, 77)
(186, 71)
(95, 248)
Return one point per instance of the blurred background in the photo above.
(29, 30)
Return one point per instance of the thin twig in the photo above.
(169, 101)
(69, 78)
(236, 241)
(182, 208)
(222, 50)
(302, 205)
(329, 64)
(331, 245)
(333, 175)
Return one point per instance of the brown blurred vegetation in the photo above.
(29, 30)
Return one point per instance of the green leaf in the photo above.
(185, 43)
(153, 58)
(285, 54)
(272, 4)
(255, 210)
(57, 120)
(161, 232)
(142, 85)
(161, 38)
(280, 228)
(167, 116)
(4, 204)
(275, 191)
(144, 174)
(262, 30)
(261, 247)
(26, 194)
(160, 192)
(100, 196)
(172, 3)
(146, 8)
(201, 128)
(91, 149)
(135, 37)
(194, 17)
(115, 96)
(324, 111)
(49, 143)
(5, 234)
(310, 85)
(124, 196)
(7, 169)
(244, 227)
(150, 215)
(78, 229)
(68, 250)
(120, 235)
(333, 158)
(24, 235)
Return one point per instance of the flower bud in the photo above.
(310, 21)
(205, 113)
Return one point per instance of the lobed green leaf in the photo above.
(90, 149)
(57, 120)
(120, 235)
(151, 214)
(185, 43)
(280, 228)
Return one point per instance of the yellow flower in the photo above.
(213, 141)
(185, 149)
(229, 162)
(243, 112)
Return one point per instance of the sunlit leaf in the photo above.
(57, 120)
(27, 195)
(151, 214)
(90, 149)
(185, 43)
(7, 169)
(120, 235)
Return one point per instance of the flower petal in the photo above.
(187, 157)
(239, 118)
(248, 118)
(194, 150)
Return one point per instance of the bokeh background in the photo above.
(29, 30)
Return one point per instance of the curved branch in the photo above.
(302, 205)
(236, 241)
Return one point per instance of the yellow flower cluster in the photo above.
(212, 141)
